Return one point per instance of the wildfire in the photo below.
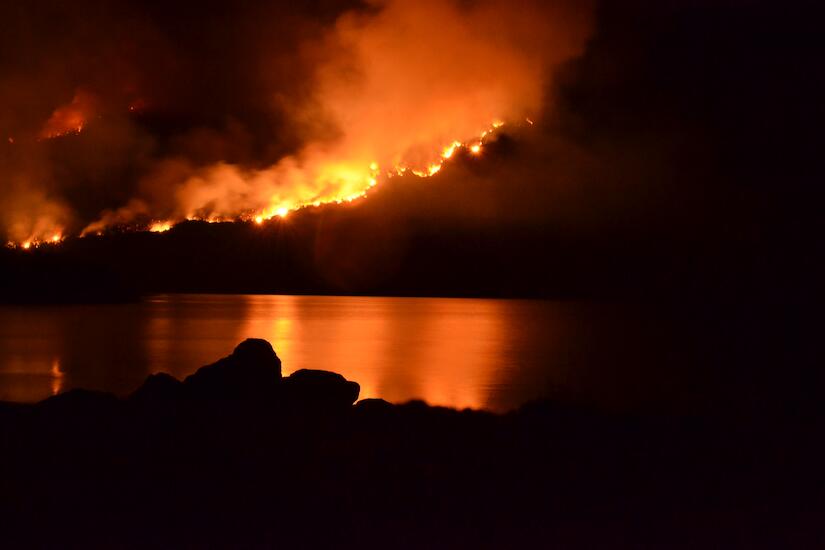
(448, 152)
(361, 182)
(160, 227)
(347, 184)
(54, 239)
(384, 93)
(279, 212)
(69, 119)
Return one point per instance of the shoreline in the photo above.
(237, 455)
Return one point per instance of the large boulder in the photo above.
(253, 371)
(158, 388)
(320, 389)
(374, 406)
(375, 414)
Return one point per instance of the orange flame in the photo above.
(160, 227)
(36, 243)
(357, 185)
(350, 184)
(69, 119)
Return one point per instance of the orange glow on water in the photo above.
(454, 352)
(310, 331)
(57, 377)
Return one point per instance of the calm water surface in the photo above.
(479, 353)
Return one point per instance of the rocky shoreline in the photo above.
(236, 455)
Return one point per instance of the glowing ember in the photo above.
(475, 149)
(259, 220)
(137, 106)
(282, 211)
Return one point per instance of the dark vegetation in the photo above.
(300, 255)
(236, 456)
(349, 250)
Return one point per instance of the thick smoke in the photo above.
(137, 113)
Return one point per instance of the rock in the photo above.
(78, 402)
(375, 414)
(320, 389)
(253, 371)
(370, 406)
(258, 352)
(159, 387)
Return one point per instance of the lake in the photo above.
(479, 353)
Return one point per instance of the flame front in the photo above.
(318, 180)
(160, 227)
(336, 183)
(339, 183)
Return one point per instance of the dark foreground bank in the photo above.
(237, 456)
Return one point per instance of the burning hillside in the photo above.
(354, 184)
(151, 134)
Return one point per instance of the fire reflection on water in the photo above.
(452, 352)
(445, 352)
(57, 377)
